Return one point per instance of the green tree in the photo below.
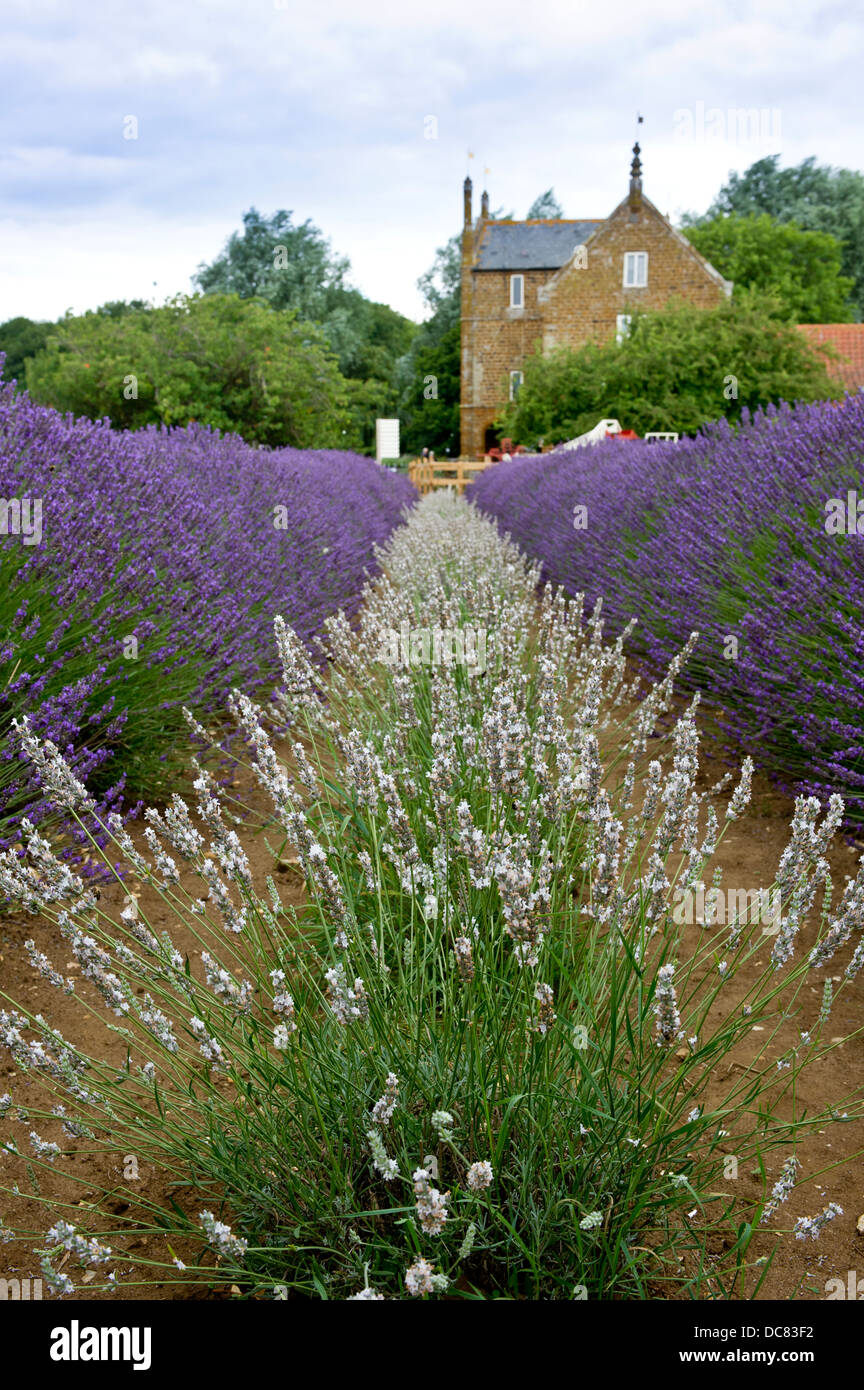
(293, 267)
(441, 284)
(369, 338)
(429, 375)
(801, 268)
(116, 308)
(546, 205)
(431, 402)
(816, 197)
(367, 401)
(676, 370)
(20, 339)
(235, 364)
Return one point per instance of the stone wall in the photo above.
(581, 306)
(495, 341)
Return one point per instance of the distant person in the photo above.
(431, 455)
(425, 455)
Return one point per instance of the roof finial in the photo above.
(635, 183)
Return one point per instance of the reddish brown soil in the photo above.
(749, 856)
(91, 1173)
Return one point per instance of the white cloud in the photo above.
(34, 164)
(49, 267)
(158, 64)
(320, 108)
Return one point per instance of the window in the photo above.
(635, 270)
(517, 291)
(622, 326)
(515, 383)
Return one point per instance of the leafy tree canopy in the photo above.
(294, 267)
(235, 364)
(21, 338)
(441, 284)
(116, 308)
(546, 205)
(429, 375)
(801, 268)
(816, 197)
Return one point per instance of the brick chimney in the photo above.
(484, 206)
(466, 189)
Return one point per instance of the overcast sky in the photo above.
(323, 107)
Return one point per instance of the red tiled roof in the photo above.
(847, 340)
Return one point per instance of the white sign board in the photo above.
(386, 439)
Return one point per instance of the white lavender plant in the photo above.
(489, 861)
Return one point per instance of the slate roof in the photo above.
(848, 341)
(542, 244)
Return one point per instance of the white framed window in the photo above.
(635, 270)
(622, 327)
(517, 291)
(515, 383)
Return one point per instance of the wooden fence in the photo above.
(449, 473)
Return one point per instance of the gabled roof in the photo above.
(588, 229)
(847, 339)
(541, 244)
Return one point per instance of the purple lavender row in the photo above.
(142, 570)
(755, 538)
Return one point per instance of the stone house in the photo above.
(562, 282)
